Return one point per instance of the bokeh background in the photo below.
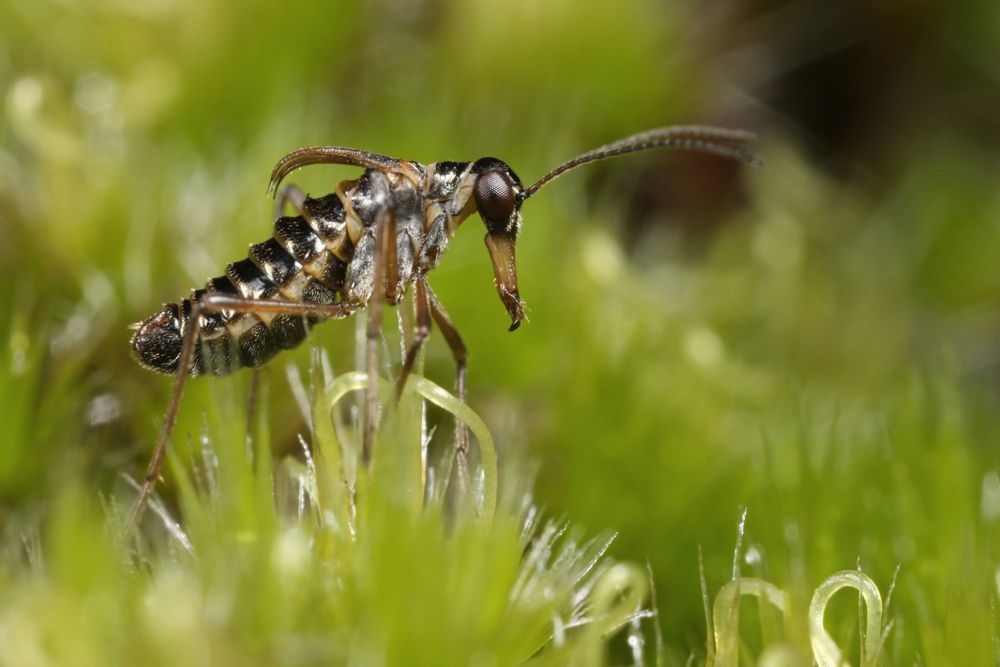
(816, 340)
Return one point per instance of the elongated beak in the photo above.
(501, 247)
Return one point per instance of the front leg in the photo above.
(421, 331)
(434, 244)
(372, 276)
(460, 355)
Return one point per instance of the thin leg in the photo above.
(160, 451)
(405, 314)
(212, 303)
(217, 303)
(371, 368)
(458, 351)
(389, 259)
(420, 332)
(385, 274)
(289, 194)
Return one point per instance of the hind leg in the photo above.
(212, 303)
(373, 275)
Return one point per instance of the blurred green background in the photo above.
(817, 340)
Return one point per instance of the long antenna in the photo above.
(715, 140)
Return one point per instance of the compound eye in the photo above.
(495, 197)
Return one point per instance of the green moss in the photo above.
(824, 356)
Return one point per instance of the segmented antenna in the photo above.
(717, 141)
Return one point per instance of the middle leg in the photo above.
(421, 331)
(385, 273)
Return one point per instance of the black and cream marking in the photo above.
(325, 255)
(305, 261)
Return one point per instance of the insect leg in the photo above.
(458, 351)
(160, 451)
(385, 271)
(213, 303)
(389, 258)
(421, 331)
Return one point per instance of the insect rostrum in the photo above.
(363, 244)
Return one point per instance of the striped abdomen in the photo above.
(305, 261)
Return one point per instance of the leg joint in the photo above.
(421, 333)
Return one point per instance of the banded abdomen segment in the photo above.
(303, 262)
(299, 263)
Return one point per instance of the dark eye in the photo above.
(495, 197)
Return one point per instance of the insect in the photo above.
(363, 245)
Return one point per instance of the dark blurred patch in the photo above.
(851, 78)
(856, 84)
(690, 191)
